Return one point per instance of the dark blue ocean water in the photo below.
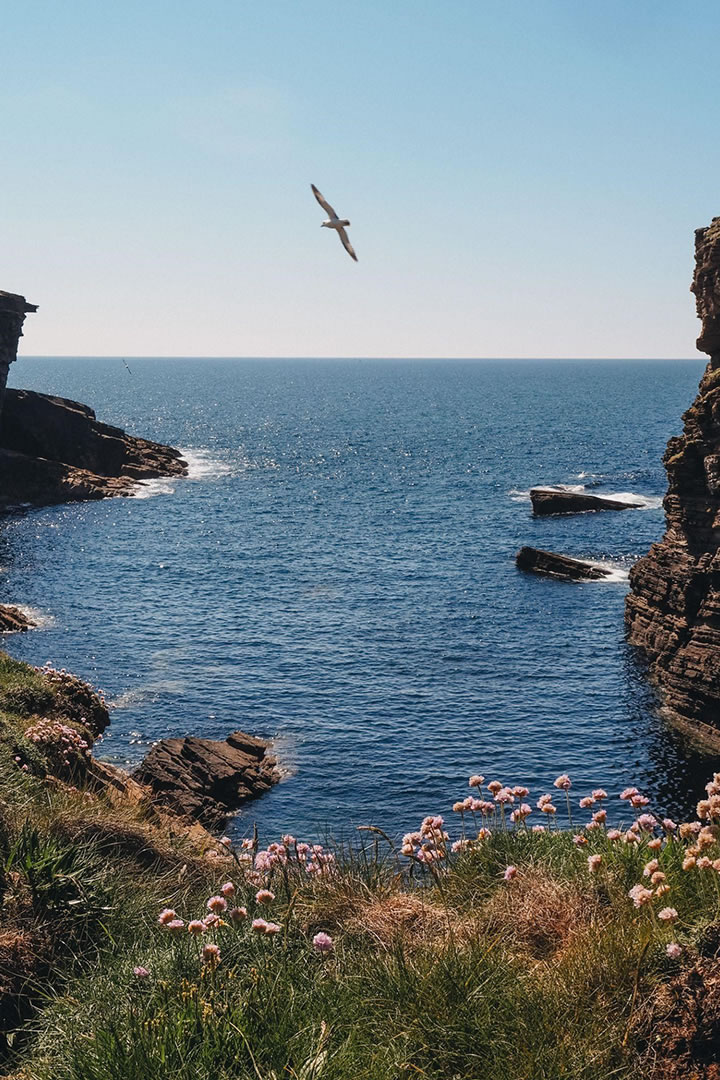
(338, 573)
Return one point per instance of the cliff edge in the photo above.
(53, 450)
(673, 609)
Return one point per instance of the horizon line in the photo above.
(235, 356)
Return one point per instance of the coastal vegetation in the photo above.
(558, 935)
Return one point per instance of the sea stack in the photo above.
(13, 309)
(673, 609)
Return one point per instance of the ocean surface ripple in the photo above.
(338, 573)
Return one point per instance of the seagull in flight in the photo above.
(335, 223)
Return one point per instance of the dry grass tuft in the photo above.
(539, 915)
(404, 919)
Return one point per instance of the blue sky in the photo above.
(523, 177)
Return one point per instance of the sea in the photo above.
(337, 574)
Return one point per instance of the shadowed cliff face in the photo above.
(673, 609)
(53, 450)
(13, 309)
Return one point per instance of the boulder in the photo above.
(556, 501)
(559, 566)
(207, 779)
(12, 619)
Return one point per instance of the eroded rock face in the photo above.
(53, 450)
(673, 609)
(12, 620)
(559, 566)
(13, 309)
(206, 779)
(547, 501)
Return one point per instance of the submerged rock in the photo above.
(559, 566)
(551, 501)
(207, 779)
(673, 609)
(12, 620)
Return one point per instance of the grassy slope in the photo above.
(442, 970)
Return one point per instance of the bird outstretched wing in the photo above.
(323, 202)
(346, 243)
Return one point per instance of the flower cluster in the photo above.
(61, 744)
(223, 916)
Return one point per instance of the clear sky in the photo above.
(523, 177)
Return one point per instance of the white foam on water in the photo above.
(42, 620)
(148, 489)
(203, 466)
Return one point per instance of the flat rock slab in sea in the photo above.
(551, 501)
(559, 566)
(207, 779)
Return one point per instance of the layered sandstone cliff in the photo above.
(673, 609)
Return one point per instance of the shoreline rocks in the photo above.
(673, 608)
(207, 779)
(559, 566)
(546, 501)
(53, 450)
(13, 620)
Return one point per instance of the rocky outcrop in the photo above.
(559, 566)
(13, 309)
(673, 609)
(12, 619)
(547, 501)
(53, 450)
(205, 779)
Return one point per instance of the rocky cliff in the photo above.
(673, 609)
(53, 450)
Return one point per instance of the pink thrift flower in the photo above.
(289, 840)
(210, 921)
(195, 926)
(629, 792)
(476, 781)
(563, 782)
(599, 794)
(175, 925)
(580, 841)
(510, 873)
(259, 925)
(494, 786)
(600, 816)
(538, 828)
(668, 914)
(669, 825)
(640, 895)
(586, 802)
(655, 844)
(141, 972)
(265, 896)
(594, 862)
(166, 916)
(673, 950)
(323, 942)
(216, 904)
(238, 914)
(228, 889)
(272, 928)
(225, 841)
(210, 954)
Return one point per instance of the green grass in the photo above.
(446, 971)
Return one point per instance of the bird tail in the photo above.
(344, 222)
